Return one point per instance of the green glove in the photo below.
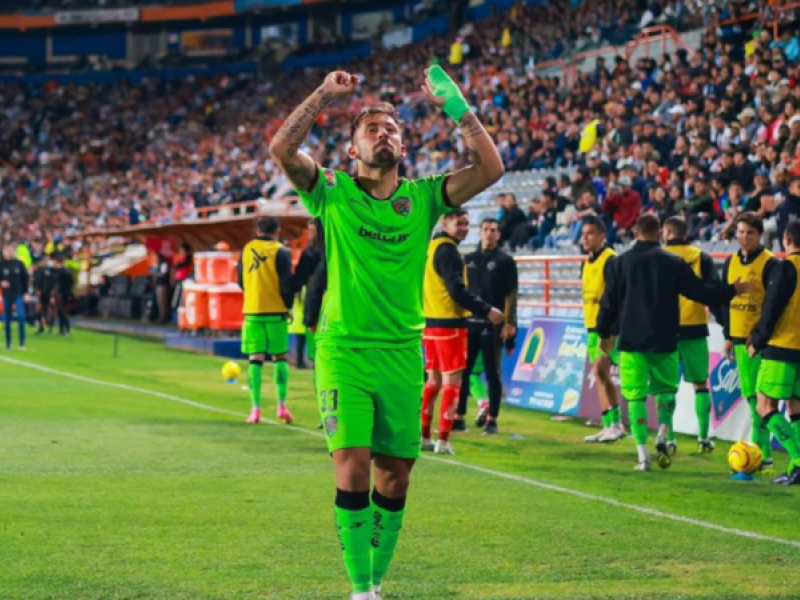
(455, 106)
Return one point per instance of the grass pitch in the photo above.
(107, 492)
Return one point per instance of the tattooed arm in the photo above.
(299, 167)
(485, 167)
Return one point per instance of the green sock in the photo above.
(637, 411)
(281, 373)
(477, 389)
(761, 435)
(616, 415)
(702, 406)
(254, 380)
(355, 534)
(781, 429)
(795, 421)
(665, 405)
(606, 418)
(387, 523)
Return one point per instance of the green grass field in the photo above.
(110, 492)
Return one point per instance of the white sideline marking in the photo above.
(518, 478)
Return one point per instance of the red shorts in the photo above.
(445, 349)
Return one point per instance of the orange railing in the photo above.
(648, 37)
(548, 282)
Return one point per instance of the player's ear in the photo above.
(352, 152)
(403, 151)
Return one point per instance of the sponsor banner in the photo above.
(398, 38)
(83, 17)
(549, 370)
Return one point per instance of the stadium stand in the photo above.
(705, 131)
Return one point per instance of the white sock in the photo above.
(641, 450)
(662, 433)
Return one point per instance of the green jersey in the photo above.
(375, 252)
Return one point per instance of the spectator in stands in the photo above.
(790, 209)
(511, 216)
(622, 208)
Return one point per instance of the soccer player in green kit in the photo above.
(377, 228)
(752, 263)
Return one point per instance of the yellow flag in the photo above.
(456, 53)
(588, 136)
(505, 41)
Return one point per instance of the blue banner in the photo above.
(243, 5)
(549, 369)
(328, 59)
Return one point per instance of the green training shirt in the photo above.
(375, 252)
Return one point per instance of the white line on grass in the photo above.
(509, 476)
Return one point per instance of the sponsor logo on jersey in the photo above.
(379, 237)
(402, 206)
(330, 178)
(257, 260)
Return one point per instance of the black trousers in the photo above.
(483, 338)
(63, 314)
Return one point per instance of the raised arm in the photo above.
(485, 166)
(299, 167)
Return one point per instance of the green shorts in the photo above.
(371, 397)
(593, 348)
(265, 335)
(779, 380)
(748, 369)
(694, 357)
(478, 369)
(643, 373)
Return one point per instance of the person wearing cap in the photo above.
(749, 124)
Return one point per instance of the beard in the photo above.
(383, 157)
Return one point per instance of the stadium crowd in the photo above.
(706, 133)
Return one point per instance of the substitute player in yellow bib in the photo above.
(777, 337)
(265, 276)
(447, 304)
(692, 338)
(593, 279)
(752, 263)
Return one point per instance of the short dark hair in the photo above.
(267, 225)
(595, 222)
(459, 212)
(490, 220)
(648, 225)
(677, 225)
(750, 219)
(383, 108)
(793, 232)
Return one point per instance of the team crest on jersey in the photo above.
(330, 178)
(402, 206)
(331, 425)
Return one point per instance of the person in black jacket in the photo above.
(63, 292)
(44, 283)
(14, 287)
(642, 295)
(777, 338)
(303, 273)
(492, 277)
(447, 304)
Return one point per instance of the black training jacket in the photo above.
(449, 265)
(14, 272)
(642, 293)
(492, 277)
